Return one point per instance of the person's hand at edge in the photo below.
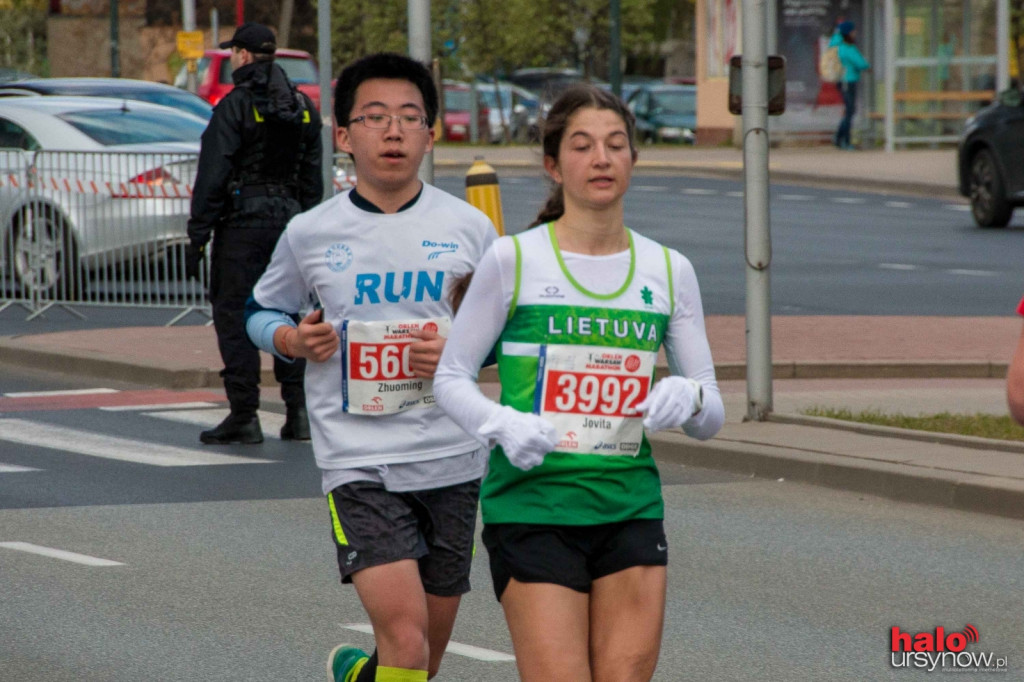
(194, 254)
(425, 352)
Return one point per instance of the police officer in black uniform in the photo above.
(259, 165)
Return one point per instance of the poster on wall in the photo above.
(723, 31)
(805, 27)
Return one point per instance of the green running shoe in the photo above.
(344, 663)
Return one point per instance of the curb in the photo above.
(972, 442)
(993, 495)
(728, 170)
(102, 367)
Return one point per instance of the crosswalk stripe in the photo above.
(63, 555)
(270, 421)
(15, 469)
(467, 650)
(155, 406)
(112, 447)
(45, 394)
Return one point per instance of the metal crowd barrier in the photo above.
(81, 229)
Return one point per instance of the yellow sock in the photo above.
(385, 674)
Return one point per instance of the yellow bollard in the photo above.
(482, 192)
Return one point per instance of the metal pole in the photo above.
(758, 249)
(890, 73)
(215, 26)
(188, 23)
(323, 43)
(614, 48)
(419, 49)
(1002, 45)
(115, 48)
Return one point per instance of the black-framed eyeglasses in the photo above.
(383, 121)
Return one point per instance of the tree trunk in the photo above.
(284, 26)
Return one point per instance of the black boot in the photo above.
(296, 424)
(234, 429)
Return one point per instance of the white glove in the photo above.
(671, 403)
(524, 437)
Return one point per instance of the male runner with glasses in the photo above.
(379, 261)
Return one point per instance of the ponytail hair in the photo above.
(553, 209)
(555, 124)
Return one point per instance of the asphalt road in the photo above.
(834, 252)
(223, 570)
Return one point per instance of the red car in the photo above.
(457, 105)
(214, 74)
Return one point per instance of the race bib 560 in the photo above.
(377, 377)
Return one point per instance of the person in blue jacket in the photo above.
(853, 64)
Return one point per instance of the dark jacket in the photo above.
(259, 163)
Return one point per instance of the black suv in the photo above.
(990, 160)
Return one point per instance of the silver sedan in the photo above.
(89, 186)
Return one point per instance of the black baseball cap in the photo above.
(254, 37)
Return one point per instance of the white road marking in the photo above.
(271, 422)
(796, 197)
(896, 266)
(111, 447)
(61, 554)
(848, 200)
(15, 469)
(972, 273)
(155, 406)
(958, 207)
(44, 394)
(467, 650)
(650, 188)
(899, 204)
(701, 192)
(734, 194)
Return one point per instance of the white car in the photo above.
(89, 185)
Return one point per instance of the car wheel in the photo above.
(44, 258)
(987, 192)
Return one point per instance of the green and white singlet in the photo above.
(577, 339)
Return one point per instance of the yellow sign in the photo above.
(190, 44)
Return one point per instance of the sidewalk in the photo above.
(931, 172)
(911, 365)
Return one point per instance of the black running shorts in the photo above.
(571, 556)
(372, 526)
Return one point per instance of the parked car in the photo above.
(142, 91)
(665, 112)
(213, 76)
(548, 83)
(519, 111)
(457, 106)
(89, 183)
(989, 157)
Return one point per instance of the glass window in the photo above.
(130, 126)
(13, 136)
(298, 70)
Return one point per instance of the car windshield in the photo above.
(487, 91)
(184, 101)
(298, 70)
(676, 102)
(457, 100)
(111, 127)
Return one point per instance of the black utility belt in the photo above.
(250, 191)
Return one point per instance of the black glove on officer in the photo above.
(193, 260)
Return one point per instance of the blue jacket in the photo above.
(853, 62)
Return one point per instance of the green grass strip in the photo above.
(1001, 427)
